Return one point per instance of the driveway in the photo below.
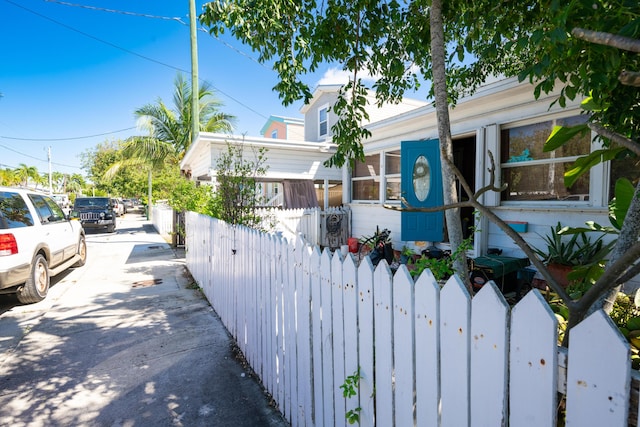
(126, 340)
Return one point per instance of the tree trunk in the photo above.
(149, 192)
(454, 225)
(629, 234)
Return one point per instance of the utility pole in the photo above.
(50, 177)
(195, 109)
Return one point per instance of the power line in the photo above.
(186, 24)
(130, 51)
(122, 12)
(66, 139)
(94, 38)
(165, 18)
(22, 154)
(34, 158)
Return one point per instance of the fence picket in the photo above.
(403, 346)
(598, 374)
(383, 347)
(289, 293)
(427, 331)
(455, 320)
(337, 316)
(327, 338)
(242, 295)
(350, 304)
(281, 261)
(533, 363)
(262, 283)
(316, 331)
(256, 323)
(489, 357)
(365, 343)
(303, 335)
(271, 315)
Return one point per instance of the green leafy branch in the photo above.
(350, 389)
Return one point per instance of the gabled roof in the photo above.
(376, 112)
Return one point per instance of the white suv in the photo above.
(37, 241)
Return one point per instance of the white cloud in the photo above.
(339, 76)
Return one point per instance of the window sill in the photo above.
(551, 207)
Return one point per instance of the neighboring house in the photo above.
(278, 127)
(319, 119)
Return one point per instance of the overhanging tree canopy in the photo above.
(392, 40)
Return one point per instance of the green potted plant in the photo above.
(406, 255)
(571, 255)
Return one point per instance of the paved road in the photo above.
(124, 341)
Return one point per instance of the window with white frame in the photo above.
(365, 182)
(274, 134)
(323, 122)
(534, 175)
(392, 175)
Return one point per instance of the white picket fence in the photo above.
(311, 224)
(291, 222)
(162, 220)
(427, 356)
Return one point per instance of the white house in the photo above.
(502, 118)
(402, 159)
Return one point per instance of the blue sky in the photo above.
(72, 74)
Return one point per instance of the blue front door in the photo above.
(421, 186)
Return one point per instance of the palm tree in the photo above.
(169, 131)
(24, 173)
(75, 183)
(174, 126)
(8, 177)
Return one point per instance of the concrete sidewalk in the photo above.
(125, 340)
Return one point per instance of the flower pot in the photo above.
(559, 272)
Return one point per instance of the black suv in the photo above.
(95, 212)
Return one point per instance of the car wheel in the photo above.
(82, 251)
(36, 287)
(111, 228)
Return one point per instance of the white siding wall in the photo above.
(286, 163)
(370, 216)
(311, 117)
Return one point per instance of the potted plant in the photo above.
(571, 255)
(406, 255)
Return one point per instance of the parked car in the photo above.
(37, 241)
(125, 208)
(63, 201)
(128, 203)
(118, 209)
(95, 212)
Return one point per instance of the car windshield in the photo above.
(92, 202)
